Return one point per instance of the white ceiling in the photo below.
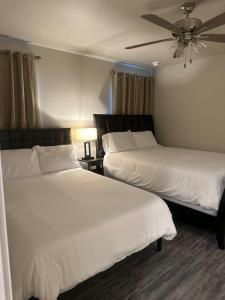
(102, 27)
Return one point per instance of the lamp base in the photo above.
(87, 151)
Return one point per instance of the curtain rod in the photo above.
(130, 74)
(16, 52)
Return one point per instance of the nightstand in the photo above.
(95, 165)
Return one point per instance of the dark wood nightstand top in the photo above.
(91, 160)
(95, 165)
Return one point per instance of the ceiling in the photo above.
(103, 27)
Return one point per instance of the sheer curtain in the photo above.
(132, 94)
(19, 104)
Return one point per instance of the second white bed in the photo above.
(194, 178)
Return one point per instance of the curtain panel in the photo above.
(18, 105)
(132, 94)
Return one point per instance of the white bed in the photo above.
(65, 227)
(192, 178)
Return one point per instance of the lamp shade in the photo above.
(86, 134)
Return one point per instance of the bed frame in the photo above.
(111, 123)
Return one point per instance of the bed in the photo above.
(70, 225)
(194, 179)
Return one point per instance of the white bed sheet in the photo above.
(65, 227)
(189, 176)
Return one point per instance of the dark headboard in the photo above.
(112, 123)
(27, 138)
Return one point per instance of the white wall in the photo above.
(71, 87)
(190, 105)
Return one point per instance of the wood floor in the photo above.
(189, 267)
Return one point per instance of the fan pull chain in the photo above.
(186, 57)
(191, 52)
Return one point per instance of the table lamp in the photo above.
(86, 135)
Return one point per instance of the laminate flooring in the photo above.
(190, 267)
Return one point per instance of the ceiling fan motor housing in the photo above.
(187, 25)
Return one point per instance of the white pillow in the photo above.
(121, 141)
(144, 139)
(19, 163)
(57, 158)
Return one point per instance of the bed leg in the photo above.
(159, 244)
(220, 239)
(220, 233)
(220, 226)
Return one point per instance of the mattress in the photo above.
(192, 177)
(65, 227)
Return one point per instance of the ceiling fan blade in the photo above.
(149, 43)
(212, 23)
(161, 22)
(219, 38)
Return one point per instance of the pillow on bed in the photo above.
(144, 139)
(120, 141)
(19, 163)
(57, 158)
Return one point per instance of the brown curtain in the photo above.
(18, 104)
(132, 94)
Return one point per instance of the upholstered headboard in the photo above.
(27, 138)
(112, 123)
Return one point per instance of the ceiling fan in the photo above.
(186, 33)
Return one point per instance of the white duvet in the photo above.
(190, 176)
(65, 227)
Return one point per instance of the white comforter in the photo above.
(65, 227)
(191, 176)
